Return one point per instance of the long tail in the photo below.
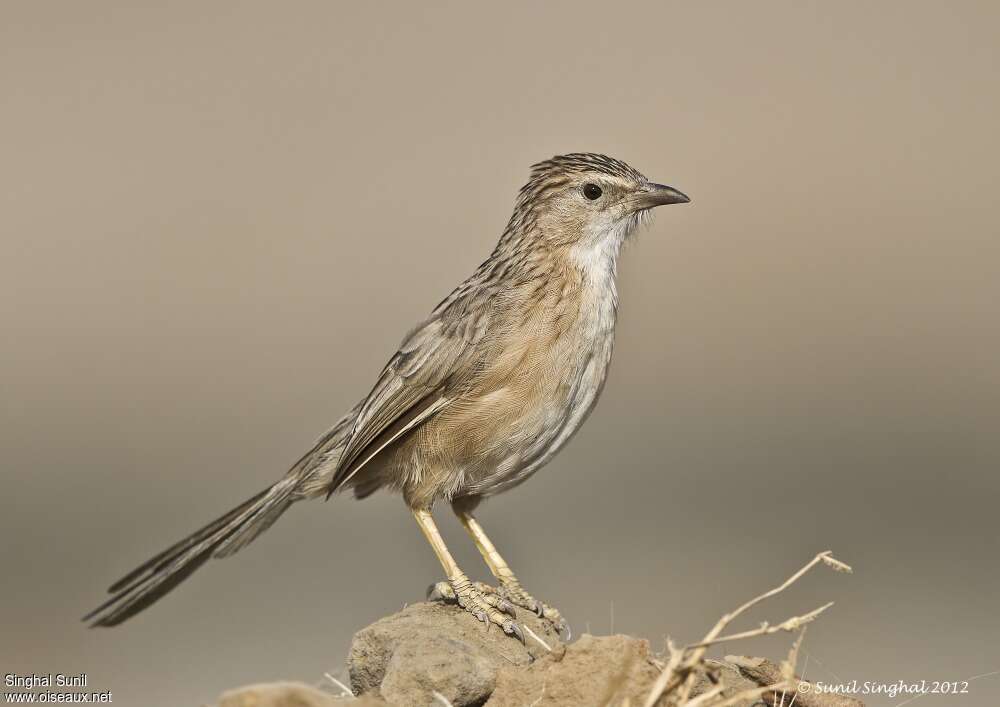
(309, 477)
(220, 538)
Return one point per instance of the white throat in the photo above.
(597, 253)
(597, 258)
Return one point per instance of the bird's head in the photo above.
(586, 199)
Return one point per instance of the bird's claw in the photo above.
(514, 592)
(514, 629)
(479, 599)
(486, 606)
(481, 616)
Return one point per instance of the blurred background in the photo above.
(218, 219)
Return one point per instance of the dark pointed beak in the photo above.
(660, 195)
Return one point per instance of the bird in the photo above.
(477, 398)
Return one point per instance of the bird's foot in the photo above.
(488, 607)
(512, 591)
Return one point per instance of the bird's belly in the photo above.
(528, 442)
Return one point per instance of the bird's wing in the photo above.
(434, 364)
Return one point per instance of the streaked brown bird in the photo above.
(478, 397)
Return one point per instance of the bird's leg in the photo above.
(488, 608)
(510, 587)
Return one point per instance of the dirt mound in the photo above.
(437, 654)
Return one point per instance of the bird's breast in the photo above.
(552, 381)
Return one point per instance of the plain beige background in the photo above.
(218, 219)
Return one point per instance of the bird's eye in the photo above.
(592, 191)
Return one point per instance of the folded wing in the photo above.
(434, 365)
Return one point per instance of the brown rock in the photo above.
(595, 670)
(418, 668)
(765, 672)
(431, 651)
(436, 634)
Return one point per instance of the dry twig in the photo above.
(344, 689)
(684, 665)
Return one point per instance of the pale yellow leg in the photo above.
(498, 566)
(490, 609)
(510, 587)
(426, 522)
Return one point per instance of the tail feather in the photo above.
(159, 561)
(308, 478)
(221, 538)
(266, 509)
(131, 601)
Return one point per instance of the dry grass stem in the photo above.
(536, 637)
(441, 698)
(684, 665)
(345, 690)
(789, 663)
(793, 624)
